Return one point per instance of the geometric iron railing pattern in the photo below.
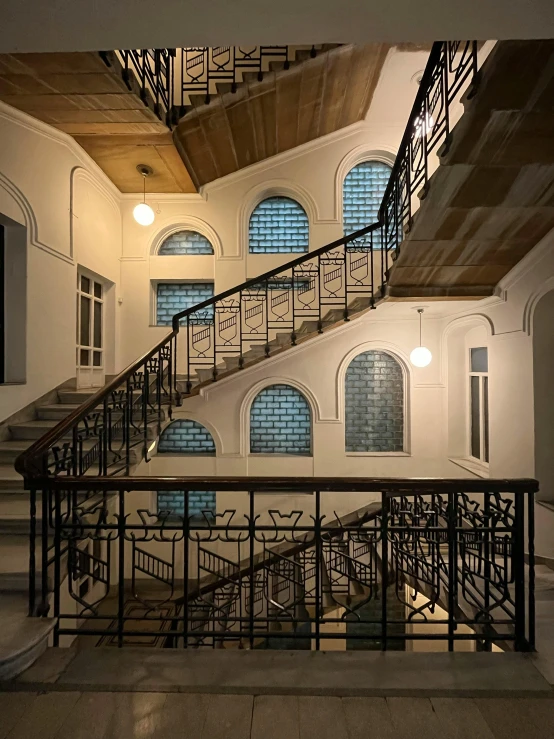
(255, 577)
(266, 313)
(170, 76)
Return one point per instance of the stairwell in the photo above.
(320, 291)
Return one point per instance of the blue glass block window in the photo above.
(362, 194)
(185, 242)
(280, 422)
(186, 437)
(201, 503)
(374, 403)
(278, 225)
(173, 297)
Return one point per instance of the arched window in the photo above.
(278, 225)
(362, 193)
(185, 242)
(280, 422)
(374, 404)
(186, 437)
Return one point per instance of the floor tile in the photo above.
(12, 707)
(275, 717)
(460, 718)
(368, 718)
(45, 716)
(228, 717)
(413, 718)
(321, 718)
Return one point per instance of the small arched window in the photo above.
(185, 242)
(362, 194)
(186, 437)
(374, 404)
(280, 422)
(278, 225)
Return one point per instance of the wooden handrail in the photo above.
(392, 485)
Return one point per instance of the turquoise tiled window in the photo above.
(185, 242)
(278, 225)
(173, 297)
(374, 402)
(362, 193)
(280, 422)
(186, 437)
(200, 503)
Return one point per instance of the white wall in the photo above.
(69, 215)
(312, 174)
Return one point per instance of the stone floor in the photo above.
(75, 715)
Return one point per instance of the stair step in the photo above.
(33, 430)
(55, 412)
(10, 479)
(76, 397)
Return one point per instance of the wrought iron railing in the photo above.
(260, 577)
(167, 78)
(264, 315)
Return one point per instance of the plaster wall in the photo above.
(63, 213)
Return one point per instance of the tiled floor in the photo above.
(74, 715)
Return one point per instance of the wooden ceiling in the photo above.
(285, 109)
(79, 94)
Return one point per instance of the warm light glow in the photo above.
(143, 214)
(421, 356)
(422, 129)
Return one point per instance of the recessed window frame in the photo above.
(276, 251)
(478, 408)
(154, 284)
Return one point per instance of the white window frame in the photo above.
(484, 413)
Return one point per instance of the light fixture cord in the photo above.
(143, 189)
(420, 314)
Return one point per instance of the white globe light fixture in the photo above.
(143, 213)
(420, 356)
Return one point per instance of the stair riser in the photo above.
(8, 456)
(32, 433)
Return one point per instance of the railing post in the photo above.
(32, 552)
(186, 558)
(121, 569)
(384, 567)
(318, 569)
(57, 565)
(452, 566)
(519, 574)
(251, 532)
(531, 563)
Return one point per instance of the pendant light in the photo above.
(420, 356)
(143, 213)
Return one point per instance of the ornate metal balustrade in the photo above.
(263, 315)
(167, 78)
(112, 430)
(426, 560)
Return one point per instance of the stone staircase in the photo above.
(281, 342)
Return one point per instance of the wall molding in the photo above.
(186, 223)
(360, 154)
(402, 359)
(30, 221)
(254, 391)
(283, 157)
(269, 189)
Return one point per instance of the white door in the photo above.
(90, 331)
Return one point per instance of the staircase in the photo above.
(90, 448)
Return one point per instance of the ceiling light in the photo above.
(423, 125)
(420, 356)
(143, 213)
